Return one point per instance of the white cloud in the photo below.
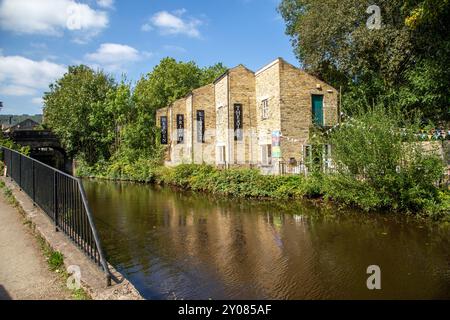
(52, 17)
(14, 90)
(37, 100)
(108, 4)
(174, 23)
(146, 27)
(114, 57)
(174, 48)
(20, 76)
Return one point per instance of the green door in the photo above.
(317, 109)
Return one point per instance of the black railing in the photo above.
(62, 198)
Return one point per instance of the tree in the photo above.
(97, 119)
(209, 74)
(74, 110)
(332, 41)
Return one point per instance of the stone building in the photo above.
(251, 119)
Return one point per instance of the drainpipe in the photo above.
(250, 132)
(228, 122)
(192, 128)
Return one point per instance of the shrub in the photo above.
(381, 166)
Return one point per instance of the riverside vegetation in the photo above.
(393, 83)
(379, 167)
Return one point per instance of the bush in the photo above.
(381, 166)
(248, 183)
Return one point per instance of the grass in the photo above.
(55, 261)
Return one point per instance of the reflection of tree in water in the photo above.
(193, 245)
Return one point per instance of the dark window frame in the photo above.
(265, 109)
(180, 128)
(238, 122)
(164, 130)
(200, 126)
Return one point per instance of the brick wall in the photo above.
(203, 99)
(297, 88)
(288, 91)
(242, 91)
(221, 106)
(268, 88)
(180, 152)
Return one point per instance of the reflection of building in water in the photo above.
(248, 118)
(239, 250)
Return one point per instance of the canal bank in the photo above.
(24, 273)
(173, 244)
(423, 201)
(92, 279)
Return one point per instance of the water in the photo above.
(180, 245)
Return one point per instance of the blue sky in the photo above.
(40, 38)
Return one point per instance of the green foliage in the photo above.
(8, 143)
(75, 111)
(380, 166)
(209, 74)
(171, 80)
(110, 126)
(405, 63)
(55, 260)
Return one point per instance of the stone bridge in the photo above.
(45, 146)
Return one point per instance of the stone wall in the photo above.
(297, 88)
(203, 99)
(288, 91)
(180, 152)
(242, 91)
(268, 88)
(221, 106)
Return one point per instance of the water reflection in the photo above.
(177, 245)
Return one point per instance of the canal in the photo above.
(182, 245)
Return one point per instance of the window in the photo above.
(180, 128)
(317, 110)
(221, 152)
(266, 154)
(201, 126)
(238, 134)
(265, 109)
(163, 122)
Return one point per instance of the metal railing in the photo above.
(302, 169)
(62, 198)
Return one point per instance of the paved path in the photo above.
(24, 273)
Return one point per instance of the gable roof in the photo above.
(29, 122)
(229, 70)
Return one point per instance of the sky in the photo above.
(40, 38)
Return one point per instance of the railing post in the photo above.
(55, 199)
(103, 261)
(11, 166)
(33, 183)
(20, 172)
